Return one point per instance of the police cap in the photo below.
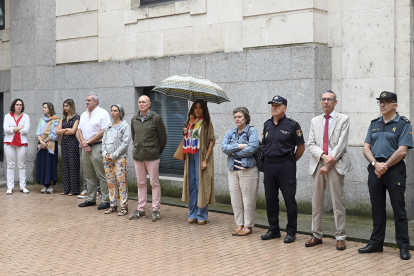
(388, 95)
(278, 100)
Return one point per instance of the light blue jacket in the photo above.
(230, 146)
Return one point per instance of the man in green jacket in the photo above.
(149, 139)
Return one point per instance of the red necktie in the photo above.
(325, 135)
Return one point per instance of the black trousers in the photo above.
(281, 176)
(393, 181)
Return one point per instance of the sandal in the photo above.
(123, 212)
(70, 194)
(63, 194)
(192, 221)
(111, 210)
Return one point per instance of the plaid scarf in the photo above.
(191, 140)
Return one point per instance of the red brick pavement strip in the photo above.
(44, 234)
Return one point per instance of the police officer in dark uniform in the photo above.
(280, 136)
(386, 144)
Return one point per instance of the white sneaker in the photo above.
(43, 191)
(98, 195)
(24, 190)
(9, 191)
(49, 190)
(84, 194)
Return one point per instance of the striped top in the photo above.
(237, 165)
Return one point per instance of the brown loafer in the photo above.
(246, 231)
(340, 245)
(313, 241)
(237, 230)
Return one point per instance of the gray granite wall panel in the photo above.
(160, 69)
(141, 72)
(77, 76)
(2, 77)
(111, 75)
(45, 9)
(121, 95)
(125, 75)
(299, 93)
(198, 65)
(22, 54)
(22, 9)
(23, 30)
(7, 81)
(323, 63)
(17, 78)
(269, 64)
(302, 63)
(29, 77)
(44, 77)
(226, 67)
(44, 29)
(180, 65)
(45, 53)
(59, 77)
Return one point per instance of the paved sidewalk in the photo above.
(44, 234)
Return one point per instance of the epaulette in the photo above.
(292, 120)
(405, 119)
(376, 119)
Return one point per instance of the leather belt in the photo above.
(277, 159)
(96, 143)
(381, 159)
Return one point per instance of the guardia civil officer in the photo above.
(386, 144)
(280, 136)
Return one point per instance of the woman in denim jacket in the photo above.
(240, 144)
(114, 151)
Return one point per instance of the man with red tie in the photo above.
(329, 163)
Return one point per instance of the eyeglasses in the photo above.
(327, 100)
(385, 102)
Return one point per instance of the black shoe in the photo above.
(270, 235)
(104, 205)
(289, 238)
(370, 249)
(87, 203)
(405, 254)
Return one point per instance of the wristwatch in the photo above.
(373, 162)
(87, 142)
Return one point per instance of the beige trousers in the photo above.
(243, 185)
(335, 182)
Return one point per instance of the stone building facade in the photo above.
(51, 50)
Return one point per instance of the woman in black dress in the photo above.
(70, 149)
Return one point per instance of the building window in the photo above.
(2, 15)
(173, 112)
(149, 2)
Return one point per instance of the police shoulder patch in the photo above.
(376, 119)
(405, 119)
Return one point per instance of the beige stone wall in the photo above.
(5, 56)
(370, 43)
(102, 30)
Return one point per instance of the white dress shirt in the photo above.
(329, 127)
(90, 126)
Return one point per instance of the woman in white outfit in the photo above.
(16, 126)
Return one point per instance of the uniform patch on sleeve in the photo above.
(299, 132)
